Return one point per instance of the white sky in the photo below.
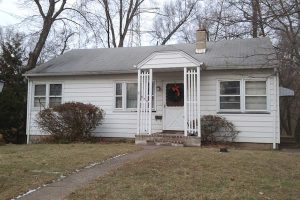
(10, 13)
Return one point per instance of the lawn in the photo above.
(194, 173)
(24, 167)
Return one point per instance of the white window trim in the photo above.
(55, 96)
(266, 95)
(124, 98)
(39, 96)
(219, 95)
(243, 96)
(47, 93)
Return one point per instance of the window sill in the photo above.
(246, 112)
(129, 111)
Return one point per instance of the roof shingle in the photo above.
(227, 54)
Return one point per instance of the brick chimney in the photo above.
(201, 40)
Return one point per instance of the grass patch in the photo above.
(23, 167)
(194, 173)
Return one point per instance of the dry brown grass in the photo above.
(194, 173)
(23, 167)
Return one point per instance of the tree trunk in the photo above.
(34, 55)
(255, 9)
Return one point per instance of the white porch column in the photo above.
(198, 102)
(144, 102)
(192, 117)
(139, 102)
(185, 101)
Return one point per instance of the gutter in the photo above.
(81, 73)
(78, 73)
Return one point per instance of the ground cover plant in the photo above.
(24, 167)
(195, 173)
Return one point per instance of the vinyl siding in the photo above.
(99, 90)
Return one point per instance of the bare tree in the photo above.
(173, 16)
(54, 9)
(115, 21)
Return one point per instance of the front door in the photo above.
(173, 106)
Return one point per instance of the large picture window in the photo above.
(243, 95)
(47, 95)
(126, 95)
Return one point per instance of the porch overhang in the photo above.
(168, 60)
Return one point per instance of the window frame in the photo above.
(55, 96)
(243, 96)
(219, 95)
(266, 95)
(124, 96)
(39, 96)
(47, 93)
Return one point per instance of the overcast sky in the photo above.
(10, 12)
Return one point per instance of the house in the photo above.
(146, 90)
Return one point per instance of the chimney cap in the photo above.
(201, 28)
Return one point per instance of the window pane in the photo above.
(55, 89)
(153, 102)
(230, 106)
(118, 102)
(232, 102)
(118, 88)
(54, 101)
(131, 95)
(230, 87)
(256, 87)
(40, 90)
(39, 102)
(233, 99)
(256, 103)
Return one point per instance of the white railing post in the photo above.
(198, 102)
(138, 102)
(185, 101)
(150, 100)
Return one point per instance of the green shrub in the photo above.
(70, 122)
(216, 128)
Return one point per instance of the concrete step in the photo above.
(168, 140)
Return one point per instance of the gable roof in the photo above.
(226, 54)
(168, 59)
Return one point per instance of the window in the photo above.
(255, 95)
(47, 95)
(119, 95)
(131, 95)
(55, 95)
(230, 97)
(243, 95)
(126, 95)
(40, 95)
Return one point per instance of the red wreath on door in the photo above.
(175, 88)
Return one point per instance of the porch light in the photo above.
(158, 88)
(1, 85)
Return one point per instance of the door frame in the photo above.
(165, 82)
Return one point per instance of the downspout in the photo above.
(29, 94)
(275, 107)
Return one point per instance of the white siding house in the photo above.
(236, 81)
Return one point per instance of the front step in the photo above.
(162, 139)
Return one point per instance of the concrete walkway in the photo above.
(62, 188)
